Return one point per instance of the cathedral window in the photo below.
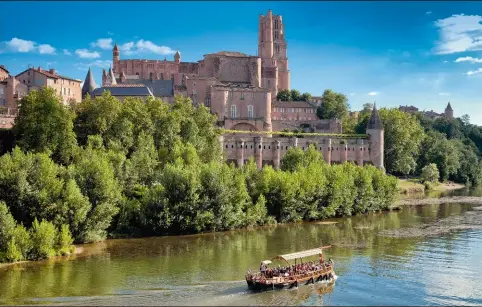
(233, 112)
(250, 112)
(276, 24)
(275, 34)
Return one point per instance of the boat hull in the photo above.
(271, 284)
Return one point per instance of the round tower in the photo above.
(449, 113)
(375, 132)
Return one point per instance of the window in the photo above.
(269, 81)
(208, 102)
(150, 75)
(194, 92)
(276, 24)
(250, 112)
(172, 76)
(28, 81)
(233, 111)
(28, 73)
(65, 91)
(162, 76)
(1, 91)
(277, 49)
(242, 96)
(252, 95)
(137, 74)
(69, 91)
(275, 35)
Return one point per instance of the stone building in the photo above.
(237, 87)
(335, 149)
(11, 90)
(448, 113)
(120, 91)
(67, 88)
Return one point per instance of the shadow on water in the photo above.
(209, 269)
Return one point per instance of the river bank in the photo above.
(413, 186)
(440, 200)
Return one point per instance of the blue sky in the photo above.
(395, 53)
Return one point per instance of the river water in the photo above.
(373, 268)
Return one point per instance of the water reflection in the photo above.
(209, 269)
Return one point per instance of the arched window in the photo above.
(250, 111)
(233, 111)
(150, 75)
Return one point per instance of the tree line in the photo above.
(103, 168)
(451, 147)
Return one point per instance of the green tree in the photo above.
(283, 95)
(403, 137)
(295, 95)
(306, 97)
(44, 237)
(430, 173)
(44, 124)
(335, 105)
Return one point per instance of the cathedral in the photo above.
(239, 88)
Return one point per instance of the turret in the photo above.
(122, 77)
(112, 80)
(449, 113)
(177, 57)
(376, 141)
(89, 84)
(104, 77)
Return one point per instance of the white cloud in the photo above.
(96, 63)
(46, 49)
(24, 46)
(428, 13)
(468, 59)
(143, 46)
(86, 54)
(446, 61)
(66, 52)
(110, 33)
(103, 43)
(373, 93)
(474, 72)
(459, 33)
(444, 94)
(20, 45)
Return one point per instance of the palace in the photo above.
(240, 90)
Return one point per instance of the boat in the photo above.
(295, 275)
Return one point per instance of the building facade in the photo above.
(11, 90)
(336, 149)
(68, 89)
(447, 114)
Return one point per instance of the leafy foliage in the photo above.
(335, 105)
(152, 169)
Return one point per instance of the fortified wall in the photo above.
(269, 149)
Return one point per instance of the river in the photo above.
(373, 268)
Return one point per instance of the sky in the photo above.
(392, 53)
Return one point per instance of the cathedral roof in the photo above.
(292, 104)
(160, 88)
(375, 122)
(231, 53)
(89, 83)
(449, 107)
(125, 91)
(115, 47)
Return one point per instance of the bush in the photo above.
(430, 173)
(44, 238)
(64, 241)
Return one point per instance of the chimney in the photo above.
(52, 71)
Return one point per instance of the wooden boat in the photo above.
(324, 271)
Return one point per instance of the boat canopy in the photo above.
(298, 255)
